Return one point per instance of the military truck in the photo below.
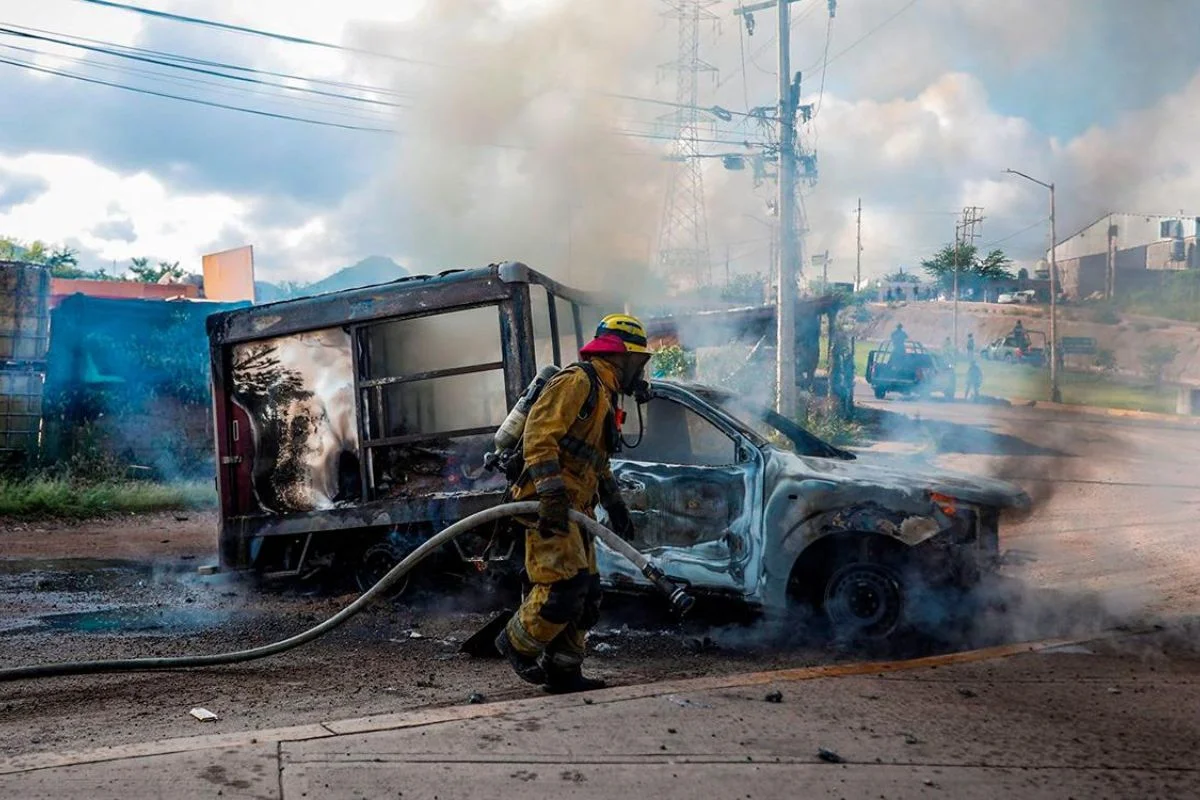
(911, 370)
(352, 426)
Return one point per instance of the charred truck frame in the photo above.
(352, 426)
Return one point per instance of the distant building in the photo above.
(1120, 253)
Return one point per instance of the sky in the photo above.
(462, 132)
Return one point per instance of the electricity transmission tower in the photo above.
(683, 253)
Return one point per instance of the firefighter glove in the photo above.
(553, 513)
(619, 519)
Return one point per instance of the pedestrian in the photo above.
(899, 339)
(971, 346)
(974, 381)
(572, 430)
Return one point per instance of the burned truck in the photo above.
(352, 426)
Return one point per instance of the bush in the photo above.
(1155, 360)
(822, 420)
(1142, 327)
(673, 362)
(1106, 315)
(1106, 360)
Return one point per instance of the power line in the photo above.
(862, 38)
(307, 120)
(195, 100)
(199, 70)
(209, 63)
(282, 37)
(1040, 222)
(193, 83)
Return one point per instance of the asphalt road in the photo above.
(1111, 531)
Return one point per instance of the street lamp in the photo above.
(1055, 394)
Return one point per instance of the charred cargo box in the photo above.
(350, 424)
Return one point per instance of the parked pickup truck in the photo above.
(339, 446)
(1027, 349)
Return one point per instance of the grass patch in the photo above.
(57, 498)
(1016, 381)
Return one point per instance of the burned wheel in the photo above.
(864, 600)
(377, 561)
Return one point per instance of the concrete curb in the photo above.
(1148, 416)
(426, 717)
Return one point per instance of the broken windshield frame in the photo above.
(759, 424)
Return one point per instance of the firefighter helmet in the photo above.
(618, 333)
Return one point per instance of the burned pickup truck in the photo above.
(352, 426)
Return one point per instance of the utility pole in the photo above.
(785, 310)
(858, 251)
(964, 232)
(1055, 392)
(789, 255)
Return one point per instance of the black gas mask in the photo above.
(633, 381)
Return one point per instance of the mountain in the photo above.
(371, 270)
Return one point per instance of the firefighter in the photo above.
(572, 430)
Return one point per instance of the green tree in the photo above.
(942, 265)
(994, 266)
(146, 272)
(900, 276)
(10, 249)
(972, 270)
(64, 263)
(36, 252)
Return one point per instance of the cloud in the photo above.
(16, 189)
(511, 152)
(121, 230)
(99, 208)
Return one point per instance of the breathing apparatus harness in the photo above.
(508, 455)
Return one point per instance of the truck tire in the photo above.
(864, 601)
(880, 392)
(377, 560)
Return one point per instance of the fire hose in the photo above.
(679, 599)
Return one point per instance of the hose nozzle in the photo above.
(681, 602)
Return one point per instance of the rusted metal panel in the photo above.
(405, 297)
(435, 508)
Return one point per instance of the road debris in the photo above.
(686, 702)
(829, 757)
(603, 648)
(475, 698)
(774, 697)
(203, 714)
(967, 693)
(697, 645)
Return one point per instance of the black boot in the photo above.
(527, 667)
(559, 681)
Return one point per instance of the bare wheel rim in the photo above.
(864, 599)
(377, 561)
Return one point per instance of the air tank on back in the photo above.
(510, 431)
